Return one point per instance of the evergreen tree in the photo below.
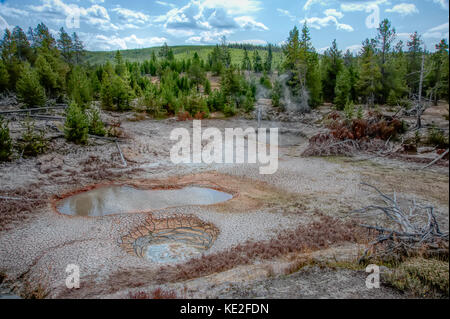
(437, 79)
(96, 126)
(414, 61)
(66, 46)
(76, 126)
(343, 89)
(333, 64)
(269, 60)
(29, 90)
(370, 75)
(196, 72)
(24, 51)
(47, 76)
(246, 63)
(8, 48)
(257, 62)
(385, 38)
(80, 88)
(4, 77)
(5, 141)
(78, 49)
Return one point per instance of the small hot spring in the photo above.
(111, 200)
(170, 240)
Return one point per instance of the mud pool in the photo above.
(112, 200)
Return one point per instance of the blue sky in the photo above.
(119, 24)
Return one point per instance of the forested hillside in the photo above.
(40, 70)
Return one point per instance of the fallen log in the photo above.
(436, 160)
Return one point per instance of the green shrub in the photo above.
(437, 138)
(32, 143)
(29, 90)
(421, 277)
(76, 127)
(265, 81)
(229, 110)
(5, 141)
(349, 110)
(96, 126)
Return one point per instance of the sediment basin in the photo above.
(111, 200)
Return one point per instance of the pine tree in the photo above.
(343, 89)
(79, 87)
(257, 62)
(196, 72)
(414, 61)
(269, 60)
(8, 49)
(65, 45)
(5, 141)
(78, 49)
(246, 63)
(333, 64)
(29, 90)
(96, 126)
(385, 38)
(47, 76)
(370, 75)
(24, 51)
(76, 126)
(4, 77)
(438, 77)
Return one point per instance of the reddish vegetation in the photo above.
(316, 236)
(183, 116)
(347, 136)
(375, 127)
(18, 205)
(155, 294)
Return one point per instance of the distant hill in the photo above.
(181, 52)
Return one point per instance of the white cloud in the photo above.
(3, 25)
(319, 23)
(104, 42)
(165, 4)
(206, 37)
(248, 23)
(404, 9)
(286, 13)
(58, 11)
(354, 48)
(11, 12)
(310, 3)
(442, 3)
(366, 6)
(438, 32)
(132, 16)
(334, 13)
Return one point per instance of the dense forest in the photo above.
(41, 70)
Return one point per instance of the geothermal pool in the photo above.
(111, 200)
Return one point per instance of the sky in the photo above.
(129, 24)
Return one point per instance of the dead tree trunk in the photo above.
(419, 106)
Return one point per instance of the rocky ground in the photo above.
(36, 248)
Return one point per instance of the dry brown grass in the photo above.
(18, 205)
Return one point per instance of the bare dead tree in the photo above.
(412, 230)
